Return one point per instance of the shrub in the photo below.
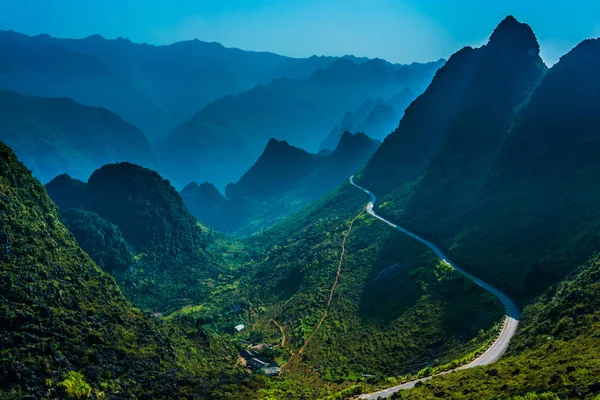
(75, 387)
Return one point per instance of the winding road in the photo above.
(509, 328)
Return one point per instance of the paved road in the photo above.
(496, 350)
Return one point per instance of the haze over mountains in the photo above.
(211, 108)
(281, 181)
(496, 162)
(155, 88)
(53, 136)
(222, 140)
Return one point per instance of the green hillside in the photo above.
(126, 209)
(518, 207)
(66, 331)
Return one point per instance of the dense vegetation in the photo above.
(99, 238)
(511, 195)
(224, 139)
(555, 355)
(372, 330)
(54, 136)
(283, 179)
(67, 331)
(172, 266)
(496, 162)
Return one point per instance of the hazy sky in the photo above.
(397, 30)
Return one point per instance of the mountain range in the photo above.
(53, 136)
(281, 181)
(375, 117)
(222, 140)
(155, 88)
(495, 165)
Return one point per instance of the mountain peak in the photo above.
(351, 143)
(275, 145)
(512, 33)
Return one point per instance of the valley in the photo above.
(191, 220)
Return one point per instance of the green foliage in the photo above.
(135, 226)
(74, 386)
(547, 359)
(101, 239)
(60, 313)
(372, 328)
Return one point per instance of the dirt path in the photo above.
(331, 292)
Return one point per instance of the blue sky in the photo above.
(397, 30)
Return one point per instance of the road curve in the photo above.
(509, 328)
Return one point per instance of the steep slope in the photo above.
(99, 238)
(171, 261)
(419, 135)
(522, 200)
(367, 326)
(223, 139)
(66, 331)
(555, 355)
(54, 136)
(154, 87)
(283, 179)
(277, 171)
(146, 207)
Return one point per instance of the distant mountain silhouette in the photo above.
(375, 117)
(58, 135)
(222, 140)
(283, 179)
(153, 87)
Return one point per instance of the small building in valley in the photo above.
(259, 365)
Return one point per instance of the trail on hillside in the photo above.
(280, 330)
(331, 292)
(337, 277)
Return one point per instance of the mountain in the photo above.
(58, 135)
(153, 87)
(509, 191)
(101, 239)
(67, 192)
(496, 163)
(377, 118)
(283, 179)
(66, 330)
(222, 140)
(554, 356)
(140, 213)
